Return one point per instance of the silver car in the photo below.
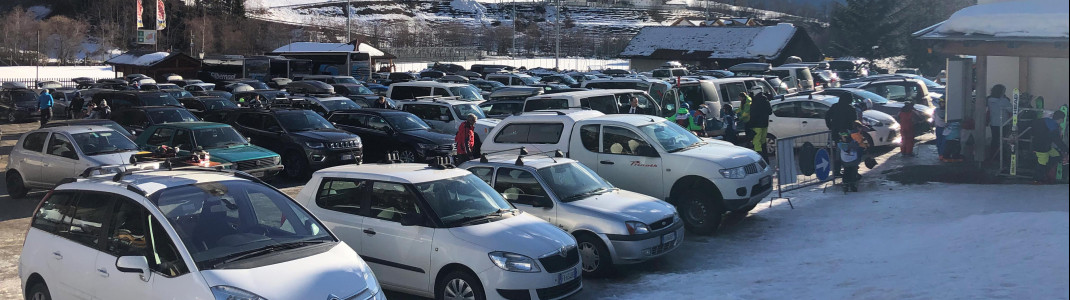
(43, 157)
(611, 226)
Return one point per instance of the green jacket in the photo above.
(690, 119)
(744, 110)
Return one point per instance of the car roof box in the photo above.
(751, 67)
(14, 85)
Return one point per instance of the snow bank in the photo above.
(582, 64)
(57, 72)
(1027, 18)
(916, 242)
(139, 60)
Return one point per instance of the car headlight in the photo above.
(734, 173)
(276, 160)
(314, 145)
(427, 146)
(514, 262)
(636, 227)
(871, 122)
(224, 292)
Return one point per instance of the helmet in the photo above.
(756, 89)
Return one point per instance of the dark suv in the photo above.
(131, 98)
(386, 130)
(18, 103)
(306, 141)
(137, 119)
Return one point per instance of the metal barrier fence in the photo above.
(812, 164)
(31, 82)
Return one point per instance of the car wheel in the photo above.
(38, 291)
(594, 256)
(11, 118)
(702, 213)
(408, 156)
(16, 187)
(459, 285)
(295, 165)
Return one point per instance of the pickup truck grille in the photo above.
(556, 263)
(253, 164)
(343, 145)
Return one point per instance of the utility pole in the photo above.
(514, 29)
(349, 14)
(37, 59)
(557, 38)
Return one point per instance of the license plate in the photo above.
(347, 156)
(257, 174)
(766, 180)
(567, 276)
(668, 238)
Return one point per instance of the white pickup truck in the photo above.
(650, 155)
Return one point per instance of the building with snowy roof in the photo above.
(1019, 44)
(155, 64)
(354, 58)
(718, 46)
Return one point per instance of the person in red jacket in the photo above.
(907, 116)
(466, 139)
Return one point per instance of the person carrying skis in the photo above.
(999, 111)
(1047, 132)
(907, 115)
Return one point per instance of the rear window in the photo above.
(544, 104)
(409, 92)
(605, 104)
(661, 73)
(547, 133)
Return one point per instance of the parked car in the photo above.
(435, 231)
(668, 73)
(561, 79)
(187, 234)
(611, 226)
(501, 109)
(445, 116)
(165, 86)
(306, 141)
(515, 93)
(223, 144)
(137, 119)
(512, 79)
(385, 130)
(214, 93)
(653, 87)
(651, 156)
(486, 86)
(899, 89)
(324, 105)
(605, 101)
(418, 89)
(184, 82)
(848, 69)
(883, 105)
(269, 97)
(124, 99)
(43, 157)
(109, 124)
(932, 86)
(200, 106)
(452, 79)
(199, 87)
(801, 115)
(19, 103)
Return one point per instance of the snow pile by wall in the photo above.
(1027, 18)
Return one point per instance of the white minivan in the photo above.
(436, 231)
(184, 234)
(418, 89)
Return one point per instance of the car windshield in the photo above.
(361, 90)
(219, 137)
(405, 122)
(303, 121)
(333, 105)
(257, 85)
(463, 110)
(456, 200)
(661, 73)
(672, 137)
(103, 142)
(22, 96)
(877, 99)
(345, 79)
(527, 80)
(573, 181)
(171, 116)
(467, 92)
(180, 94)
(214, 104)
(118, 128)
(160, 99)
(227, 221)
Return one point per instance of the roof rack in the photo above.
(436, 98)
(441, 162)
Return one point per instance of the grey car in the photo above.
(611, 226)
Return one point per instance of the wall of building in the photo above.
(645, 65)
(1047, 77)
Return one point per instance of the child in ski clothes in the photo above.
(906, 128)
(729, 118)
(1048, 132)
(850, 157)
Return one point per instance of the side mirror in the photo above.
(412, 219)
(134, 264)
(646, 150)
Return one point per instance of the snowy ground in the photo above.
(888, 242)
(57, 72)
(582, 64)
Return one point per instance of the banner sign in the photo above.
(140, 10)
(161, 16)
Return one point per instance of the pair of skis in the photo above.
(1014, 132)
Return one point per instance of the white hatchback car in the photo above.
(43, 157)
(184, 234)
(443, 233)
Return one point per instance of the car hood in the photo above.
(338, 271)
(427, 135)
(628, 205)
(723, 154)
(918, 107)
(523, 234)
(240, 153)
(120, 158)
(879, 116)
(329, 135)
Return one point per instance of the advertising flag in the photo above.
(140, 10)
(161, 16)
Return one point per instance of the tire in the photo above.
(11, 118)
(459, 285)
(295, 166)
(594, 256)
(409, 156)
(702, 214)
(16, 186)
(38, 291)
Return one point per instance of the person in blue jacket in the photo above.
(45, 102)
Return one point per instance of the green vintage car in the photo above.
(222, 142)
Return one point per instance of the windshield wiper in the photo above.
(263, 251)
(109, 151)
(692, 146)
(473, 219)
(597, 191)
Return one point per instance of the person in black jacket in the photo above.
(840, 119)
(381, 103)
(1047, 132)
(759, 120)
(75, 108)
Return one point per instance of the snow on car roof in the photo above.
(404, 173)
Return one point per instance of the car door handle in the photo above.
(606, 162)
(102, 272)
(369, 231)
(57, 255)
